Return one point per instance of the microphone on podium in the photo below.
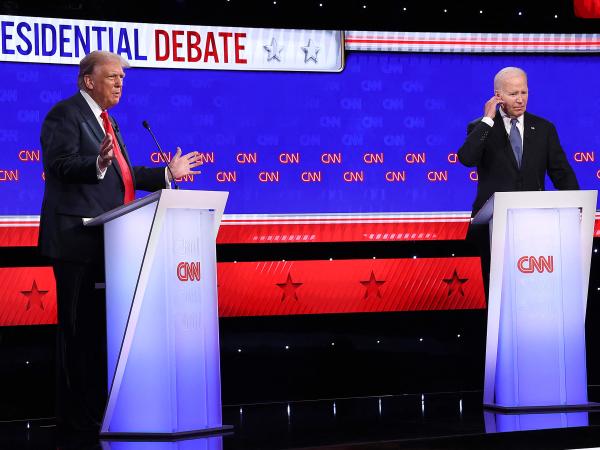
(146, 125)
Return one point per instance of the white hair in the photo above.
(504, 73)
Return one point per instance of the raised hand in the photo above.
(183, 165)
(107, 153)
(489, 110)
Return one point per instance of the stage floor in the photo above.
(415, 421)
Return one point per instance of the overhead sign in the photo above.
(66, 41)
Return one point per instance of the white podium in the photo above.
(541, 245)
(161, 313)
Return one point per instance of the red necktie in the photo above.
(125, 172)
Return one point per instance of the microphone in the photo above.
(146, 125)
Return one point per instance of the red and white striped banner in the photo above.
(22, 231)
(272, 229)
(400, 41)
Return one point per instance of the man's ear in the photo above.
(89, 83)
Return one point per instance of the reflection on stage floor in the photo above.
(424, 421)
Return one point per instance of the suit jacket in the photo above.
(70, 139)
(488, 149)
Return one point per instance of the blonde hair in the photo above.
(91, 60)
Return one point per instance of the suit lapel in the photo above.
(528, 137)
(120, 140)
(122, 148)
(503, 141)
(92, 122)
(94, 125)
(89, 119)
(115, 164)
(123, 151)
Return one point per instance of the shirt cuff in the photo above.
(167, 182)
(488, 121)
(99, 172)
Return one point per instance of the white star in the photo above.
(274, 50)
(310, 52)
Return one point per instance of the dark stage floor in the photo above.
(429, 421)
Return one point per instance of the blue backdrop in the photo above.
(382, 103)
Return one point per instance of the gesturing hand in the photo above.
(107, 153)
(182, 165)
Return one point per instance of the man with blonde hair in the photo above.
(88, 172)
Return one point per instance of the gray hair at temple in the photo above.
(91, 60)
(502, 74)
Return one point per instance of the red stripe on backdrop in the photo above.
(296, 232)
(22, 236)
(354, 219)
(341, 232)
(28, 296)
(271, 288)
(301, 232)
(349, 286)
(587, 9)
(470, 42)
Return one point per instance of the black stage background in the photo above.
(374, 354)
(390, 353)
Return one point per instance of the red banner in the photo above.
(271, 288)
(19, 231)
(23, 232)
(28, 296)
(268, 232)
(587, 9)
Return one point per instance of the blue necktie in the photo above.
(515, 141)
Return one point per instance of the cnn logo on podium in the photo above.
(530, 264)
(188, 271)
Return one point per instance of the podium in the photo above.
(162, 315)
(497, 422)
(541, 245)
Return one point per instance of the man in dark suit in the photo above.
(87, 172)
(513, 150)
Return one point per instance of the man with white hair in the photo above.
(513, 150)
(88, 172)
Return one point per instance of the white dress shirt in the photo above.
(507, 124)
(96, 110)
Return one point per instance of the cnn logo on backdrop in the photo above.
(188, 271)
(530, 264)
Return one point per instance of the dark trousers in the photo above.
(80, 345)
(479, 237)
